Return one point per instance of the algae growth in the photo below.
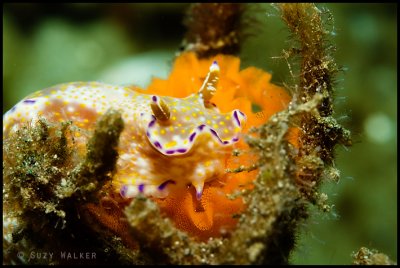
(58, 196)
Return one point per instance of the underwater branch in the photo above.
(289, 173)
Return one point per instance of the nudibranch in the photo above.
(167, 142)
(179, 138)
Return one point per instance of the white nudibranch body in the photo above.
(166, 141)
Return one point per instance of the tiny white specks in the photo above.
(210, 144)
(70, 109)
(9, 222)
(199, 173)
(126, 156)
(142, 163)
(14, 128)
(131, 191)
(144, 172)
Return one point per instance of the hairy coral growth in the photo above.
(319, 131)
(365, 256)
(46, 179)
(213, 28)
(263, 230)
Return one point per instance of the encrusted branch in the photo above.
(213, 28)
(319, 131)
(288, 176)
(288, 179)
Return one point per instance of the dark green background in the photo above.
(45, 45)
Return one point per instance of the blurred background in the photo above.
(44, 45)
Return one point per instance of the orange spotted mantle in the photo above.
(178, 138)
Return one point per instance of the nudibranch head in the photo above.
(187, 134)
(176, 124)
(190, 119)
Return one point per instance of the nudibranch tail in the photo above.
(209, 86)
